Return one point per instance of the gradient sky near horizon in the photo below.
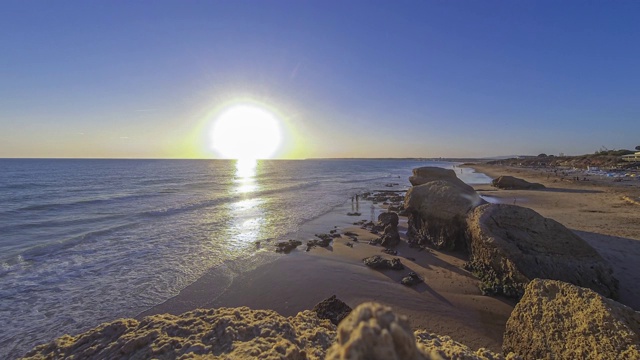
(144, 79)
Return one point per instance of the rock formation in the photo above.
(235, 333)
(371, 331)
(426, 174)
(389, 222)
(388, 218)
(390, 237)
(287, 246)
(437, 210)
(513, 183)
(379, 263)
(511, 245)
(332, 309)
(557, 320)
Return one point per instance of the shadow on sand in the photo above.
(623, 254)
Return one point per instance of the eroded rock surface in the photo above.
(557, 320)
(511, 245)
(227, 333)
(513, 183)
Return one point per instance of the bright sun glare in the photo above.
(246, 132)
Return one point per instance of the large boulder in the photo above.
(425, 174)
(513, 183)
(436, 212)
(511, 245)
(332, 309)
(557, 320)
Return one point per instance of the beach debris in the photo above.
(333, 231)
(354, 214)
(513, 183)
(592, 326)
(349, 244)
(411, 279)
(512, 245)
(389, 251)
(286, 246)
(332, 309)
(379, 263)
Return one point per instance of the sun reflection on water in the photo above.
(248, 212)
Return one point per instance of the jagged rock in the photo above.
(380, 263)
(233, 333)
(373, 332)
(511, 245)
(332, 309)
(436, 212)
(426, 174)
(513, 183)
(557, 320)
(390, 237)
(286, 246)
(388, 218)
(389, 251)
(411, 279)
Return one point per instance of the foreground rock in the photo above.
(437, 211)
(233, 333)
(513, 183)
(511, 245)
(411, 279)
(562, 321)
(332, 309)
(372, 331)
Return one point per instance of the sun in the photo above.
(246, 132)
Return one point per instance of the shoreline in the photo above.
(449, 302)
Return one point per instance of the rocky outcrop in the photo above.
(287, 246)
(511, 245)
(513, 183)
(372, 331)
(390, 237)
(436, 211)
(379, 263)
(426, 174)
(411, 279)
(557, 320)
(388, 218)
(233, 333)
(332, 309)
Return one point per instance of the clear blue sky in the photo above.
(349, 78)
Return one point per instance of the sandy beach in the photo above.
(449, 302)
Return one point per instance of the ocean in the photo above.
(87, 241)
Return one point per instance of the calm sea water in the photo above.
(88, 241)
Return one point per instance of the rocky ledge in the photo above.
(371, 331)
